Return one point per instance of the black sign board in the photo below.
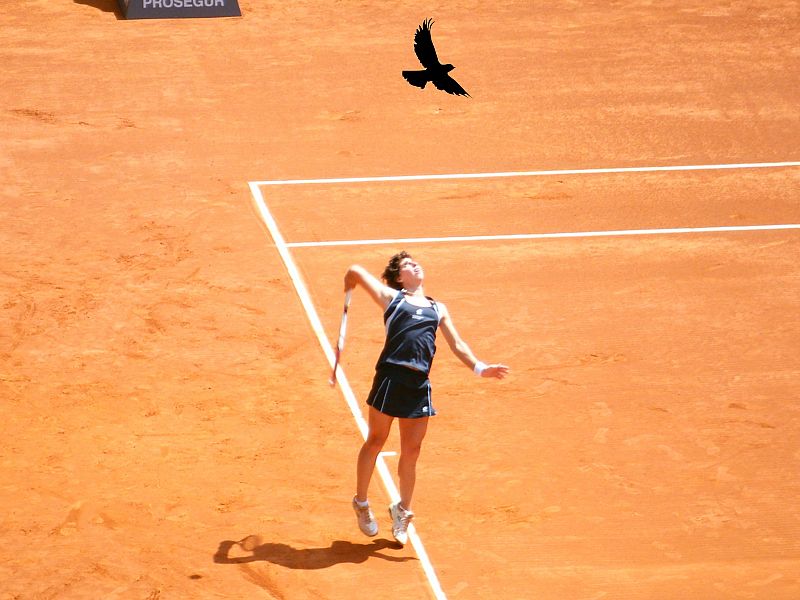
(176, 9)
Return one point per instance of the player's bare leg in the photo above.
(412, 432)
(379, 427)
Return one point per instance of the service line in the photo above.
(538, 236)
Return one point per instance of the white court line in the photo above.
(316, 325)
(538, 236)
(769, 165)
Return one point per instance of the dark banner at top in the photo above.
(176, 9)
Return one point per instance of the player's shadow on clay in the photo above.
(308, 558)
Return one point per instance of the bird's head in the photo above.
(448, 67)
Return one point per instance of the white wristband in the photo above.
(479, 368)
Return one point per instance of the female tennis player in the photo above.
(401, 388)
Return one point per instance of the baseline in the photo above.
(711, 167)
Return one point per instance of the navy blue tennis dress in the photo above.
(401, 387)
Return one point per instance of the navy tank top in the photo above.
(410, 334)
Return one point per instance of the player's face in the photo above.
(411, 273)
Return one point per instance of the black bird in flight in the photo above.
(435, 72)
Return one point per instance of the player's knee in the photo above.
(375, 441)
(410, 451)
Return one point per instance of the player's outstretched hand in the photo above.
(497, 371)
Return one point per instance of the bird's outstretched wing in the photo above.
(423, 45)
(450, 85)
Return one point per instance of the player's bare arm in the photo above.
(462, 350)
(380, 293)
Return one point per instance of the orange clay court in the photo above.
(181, 198)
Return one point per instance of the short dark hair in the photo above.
(392, 270)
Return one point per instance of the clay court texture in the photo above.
(613, 213)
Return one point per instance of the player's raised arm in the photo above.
(380, 293)
(463, 351)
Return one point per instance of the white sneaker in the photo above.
(400, 520)
(366, 520)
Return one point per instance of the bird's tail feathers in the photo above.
(416, 78)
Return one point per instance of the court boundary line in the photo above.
(316, 324)
(595, 171)
(341, 379)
